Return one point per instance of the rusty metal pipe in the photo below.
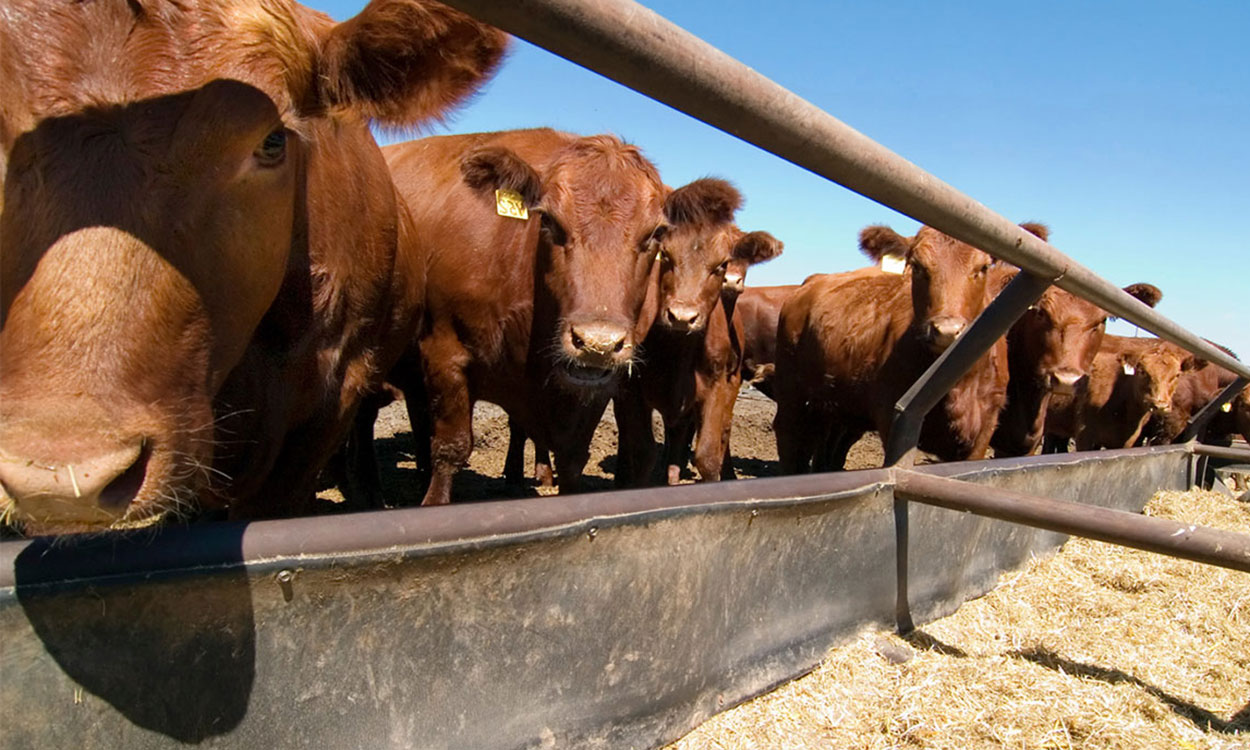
(1187, 541)
(640, 49)
(1219, 451)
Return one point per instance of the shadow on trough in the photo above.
(173, 653)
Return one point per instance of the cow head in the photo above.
(169, 168)
(1061, 333)
(599, 203)
(1155, 370)
(948, 279)
(698, 250)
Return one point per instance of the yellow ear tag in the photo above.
(510, 203)
(893, 264)
(1227, 407)
(1129, 369)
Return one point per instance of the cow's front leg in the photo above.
(451, 413)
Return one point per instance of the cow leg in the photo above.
(677, 439)
(835, 447)
(418, 407)
(636, 451)
(542, 465)
(981, 445)
(1053, 444)
(715, 420)
(451, 411)
(570, 464)
(727, 465)
(361, 484)
(514, 464)
(796, 437)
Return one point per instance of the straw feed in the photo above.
(1097, 647)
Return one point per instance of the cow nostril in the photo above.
(120, 492)
(578, 343)
(620, 346)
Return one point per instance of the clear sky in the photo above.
(1125, 126)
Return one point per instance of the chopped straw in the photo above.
(1098, 646)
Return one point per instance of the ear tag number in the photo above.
(510, 203)
(1129, 369)
(893, 264)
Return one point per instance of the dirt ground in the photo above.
(753, 447)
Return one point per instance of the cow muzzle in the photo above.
(1065, 381)
(96, 490)
(683, 318)
(943, 331)
(594, 351)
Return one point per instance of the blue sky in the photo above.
(1124, 126)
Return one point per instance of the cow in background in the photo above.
(757, 312)
(204, 264)
(849, 345)
(1131, 378)
(1194, 390)
(553, 315)
(1050, 350)
(691, 371)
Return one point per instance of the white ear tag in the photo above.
(510, 203)
(1129, 369)
(893, 264)
(1227, 407)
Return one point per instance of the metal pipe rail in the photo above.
(1187, 541)
(640, 49)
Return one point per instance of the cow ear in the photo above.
(1193, 362)
(709, 200)
(877, 241)
(498, 168)
(757, 247)
(1037, 228)
(1147, 293)
(404, 61)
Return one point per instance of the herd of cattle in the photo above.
(211, 278)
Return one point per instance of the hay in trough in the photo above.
(1097, 647)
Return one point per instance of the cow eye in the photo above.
(272, 151)
(723, 267)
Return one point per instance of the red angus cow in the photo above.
(758, 310)
(1193, 391)
(1050, 350)
(849, 345)
(203, 260)
(549, 321)
(691, 366)
(1130, 379)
